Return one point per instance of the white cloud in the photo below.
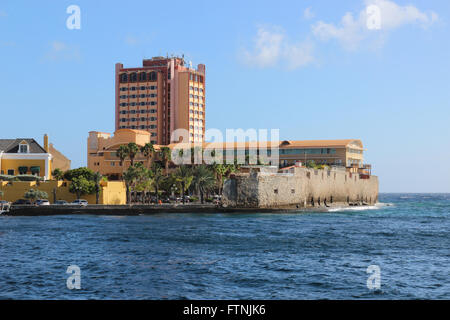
(271, 46)
(267, 48)
(308, 14)
(351, 31)
(299, 55)
(61, 51)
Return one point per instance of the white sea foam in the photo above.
(360, 208)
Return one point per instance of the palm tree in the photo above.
(219, 170)
(97, 177)
(134, 175)
(58, 174)
(203, 180)
(184, 176)
(148, 150)
(166, 156)
(158, 178)
(122, 153)
(133, 149)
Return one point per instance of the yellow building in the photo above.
(112, 192)
(26, 156)
(348, 153)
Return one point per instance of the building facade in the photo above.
(26, 156)
(161, 96)
(102, 148)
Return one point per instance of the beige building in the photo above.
(163, 95)
(102, 148)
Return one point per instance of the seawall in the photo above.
(135, 210)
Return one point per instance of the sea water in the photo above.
(312, 255)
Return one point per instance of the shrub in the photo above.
(29, 177)
(5, 177)
(194, 199)
(33, 194)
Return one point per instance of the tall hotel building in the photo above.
(161, 96)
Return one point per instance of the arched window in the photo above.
(142, 76)
(123, 78)
(133, 77)
(152, 76)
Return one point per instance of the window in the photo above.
(23, 148)
(133, 77)
(142, 77)
(10, 172)
(152, 76)
(23, 170)
(123, 78)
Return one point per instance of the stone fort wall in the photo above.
(304, 188)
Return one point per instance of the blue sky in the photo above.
(310, 68)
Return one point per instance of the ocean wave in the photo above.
(361, 208)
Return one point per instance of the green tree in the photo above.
(133, 150)
(158, 179)
(184, 177)
(34, 194)
(220, 170)
(82, 172)
(133, 176)
(203, 180)
(97, 179)
(82, 186)
(166, 156)
(310, 164)
(148, 150)
(58, 174)
(122, 154)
